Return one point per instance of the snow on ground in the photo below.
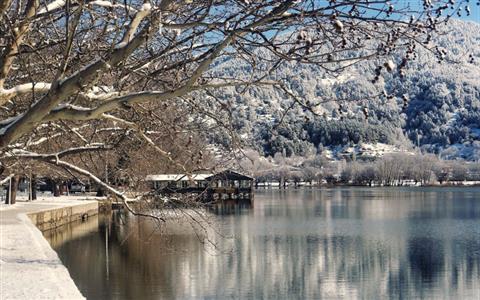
(29, 267)
(4, 206)
(378, 149)
(364, 150)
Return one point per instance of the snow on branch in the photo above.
(54, 5)
(110, 4)
(132, 27)
(5, 180)
(60, 4)
(125, 200)
(21, 89)
(71, 151)
(63, 89)
(78, 113)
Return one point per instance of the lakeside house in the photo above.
(224, 185)
(177, 181)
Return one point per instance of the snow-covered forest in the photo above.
(434, 105)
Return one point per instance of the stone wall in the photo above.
(52, 218)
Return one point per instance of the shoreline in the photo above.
(29, 267)
(338, 185)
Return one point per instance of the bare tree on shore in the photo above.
(87, 86)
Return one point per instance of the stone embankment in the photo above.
(29, 267)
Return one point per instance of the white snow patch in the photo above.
(30, 268)
(331, 81)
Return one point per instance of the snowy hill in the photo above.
(442, 114)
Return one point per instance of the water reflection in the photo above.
(298, 244)
(232, 207)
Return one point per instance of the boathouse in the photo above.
(178, 182)
(220, 186)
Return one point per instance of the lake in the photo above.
(339, 243)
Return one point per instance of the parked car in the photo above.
(77, 188)
(43, 186)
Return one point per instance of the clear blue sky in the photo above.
(474, 8)
(475, 14)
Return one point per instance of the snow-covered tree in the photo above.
(129, 80)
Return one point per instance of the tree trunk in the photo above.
(56, 189)
(100, 192)
(62, 188)
(33, 186)
(12, 193)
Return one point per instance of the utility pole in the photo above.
(106, 172)
(106, 168)
(107, 261)
(9, 198)
(30, 192)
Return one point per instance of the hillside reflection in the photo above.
(303, 244)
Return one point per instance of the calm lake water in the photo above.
(344, 243)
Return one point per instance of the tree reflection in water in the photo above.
(310, 244)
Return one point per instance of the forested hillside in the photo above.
(436, 105)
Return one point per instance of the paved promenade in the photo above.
(29, 267)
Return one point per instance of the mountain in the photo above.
(441, 115)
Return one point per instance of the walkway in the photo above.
(29, 267)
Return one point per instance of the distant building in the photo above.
(178, 181)
(223, 185)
